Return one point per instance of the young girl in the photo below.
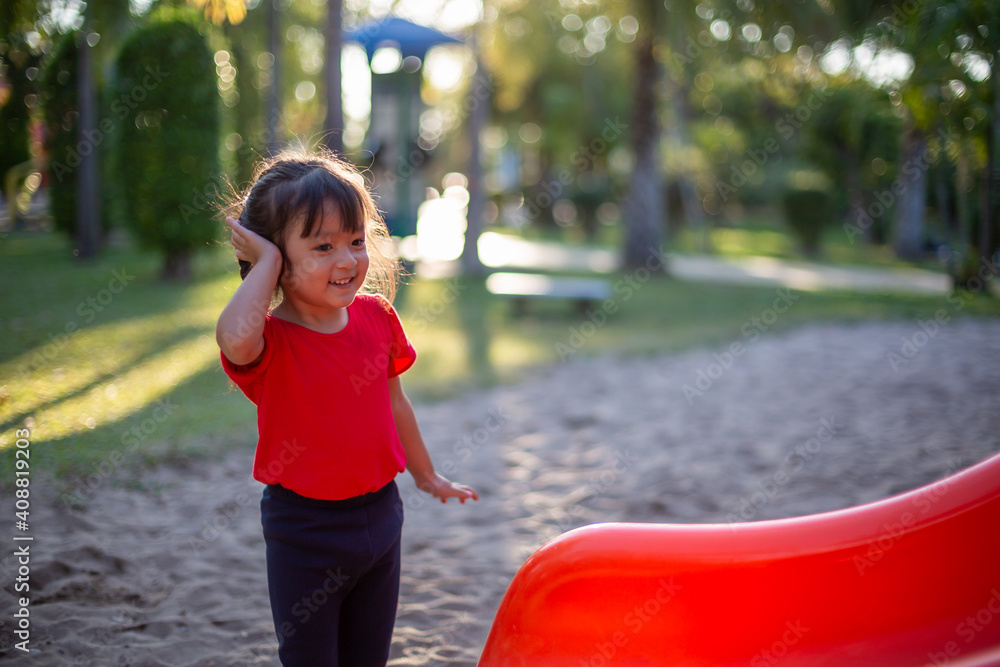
(334, 426)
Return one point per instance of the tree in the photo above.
(18, 59)
(851, 130)
(645, 214)
(567, 70)
(59, 103)
(171, 149)
(88, 197)
(274, 37)
(334, 125)
(956, 35)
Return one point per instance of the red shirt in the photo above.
(324, 422)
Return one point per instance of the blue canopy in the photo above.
(413, 39)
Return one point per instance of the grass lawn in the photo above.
(760, 232)
(113, 370)
(766, 234)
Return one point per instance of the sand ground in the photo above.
(174, 575)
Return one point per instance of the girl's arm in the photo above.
(418, 460)
(240, 330)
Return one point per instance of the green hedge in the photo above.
(59, 87)
(808, 212)
(18, 58)
(167, 153)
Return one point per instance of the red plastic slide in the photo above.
(912, 580)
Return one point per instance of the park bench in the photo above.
(522, 287)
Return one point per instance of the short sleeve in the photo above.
(402, 354)
(249, 377)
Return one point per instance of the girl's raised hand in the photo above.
(441, 487)
(250, 246)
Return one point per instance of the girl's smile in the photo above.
(325, 270)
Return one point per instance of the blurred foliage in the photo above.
(550, 62)
(219, 11)
(167, 155)
(20, 63)
(59, 88)
(808, 210)
(740, 82)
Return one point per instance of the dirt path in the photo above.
(175, 575)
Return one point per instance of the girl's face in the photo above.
(327, 268)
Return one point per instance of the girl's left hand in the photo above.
(441, 487)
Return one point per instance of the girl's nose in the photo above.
(345, 259)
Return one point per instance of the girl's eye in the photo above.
(323, 247)
(359, 242)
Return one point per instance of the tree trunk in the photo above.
(88, 211)
(943, 205)
(677, 90)
(856, 196)
(274, 90)
(471, 264)
(645, 210)
(693, 208)
(987, 243)
(982, 244)
(911, 206)
(334, 126)
(247, 111)
(177, 265)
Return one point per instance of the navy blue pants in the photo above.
(333, 575)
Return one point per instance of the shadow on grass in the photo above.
(154, 347)
(465, 337)
(165, 432)
(57, 296)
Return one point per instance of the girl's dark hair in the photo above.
(296, 186)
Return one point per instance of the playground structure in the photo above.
(910, 580)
